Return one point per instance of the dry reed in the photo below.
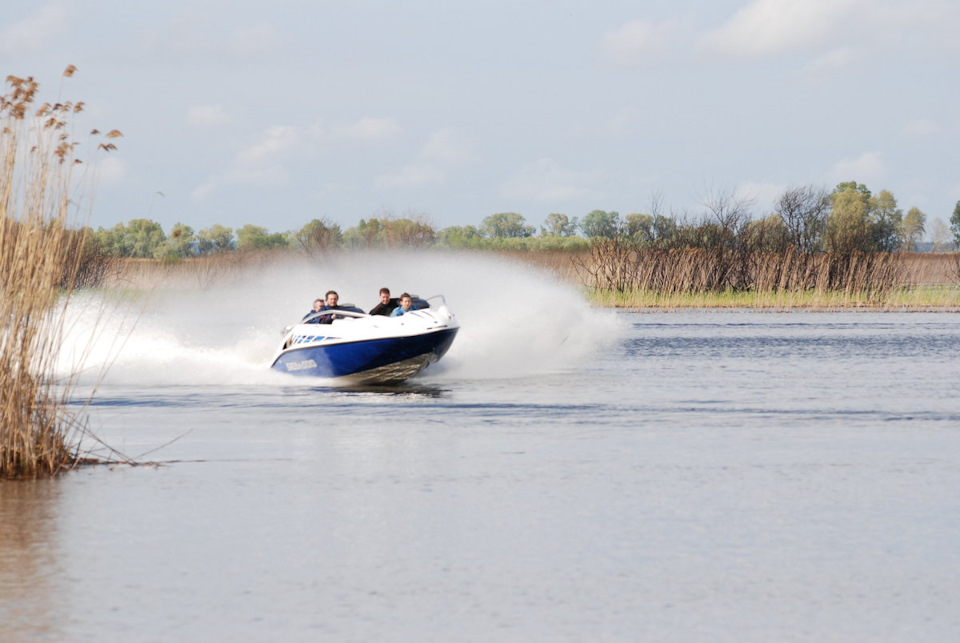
(620, 275)
(39, 265)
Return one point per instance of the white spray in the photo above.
(516, 320)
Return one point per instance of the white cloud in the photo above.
(366, 129)
(769, 27)
(264, 162)
(635, 43)
(266, 176)
(33, 33)
(260, 164)
(415, 175)
(276, 143)
(866, 168)
(835, 60)
(445, 146)
(207, 116)
(546, 181)
(189, 35)
(443, 150)
(249, 42)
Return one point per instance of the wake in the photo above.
(516, 320)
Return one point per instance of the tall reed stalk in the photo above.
(38, 271)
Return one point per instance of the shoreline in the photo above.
(919, 299)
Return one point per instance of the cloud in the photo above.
(634, 43)
(260, 164)
(443, 150)
(264, 162)
(35, 32)
(366, 129)
(265, 176)
(415, 175)
(276, 142)
(865, 168)
(251, 42)
(189, 36)
(446, 146)
(207, 116)
(770, 27)
(835, 60)
(544, 180)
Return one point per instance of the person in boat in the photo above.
(406, 305)
(317, 307)
(386, 305)
(332, 301)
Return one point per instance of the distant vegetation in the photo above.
(807, 220)
(811, 239)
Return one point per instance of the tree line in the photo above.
(806, 219)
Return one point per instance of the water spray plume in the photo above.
(515, 320)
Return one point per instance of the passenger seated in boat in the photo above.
(386, 305)
(332, 301)
(406, 305)
(317, 307)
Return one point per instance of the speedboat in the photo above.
(353, 347)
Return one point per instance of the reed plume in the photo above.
(39, 264)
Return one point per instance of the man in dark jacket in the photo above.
(386, 305)
(332, 303)
(317, 307)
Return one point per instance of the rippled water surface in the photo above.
(706, 476)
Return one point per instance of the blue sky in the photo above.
(275, 113)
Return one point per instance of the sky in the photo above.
(236, 112)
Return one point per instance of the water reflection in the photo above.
(29, 561)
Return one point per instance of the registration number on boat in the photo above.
(301, 365)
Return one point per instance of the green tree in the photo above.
(955, 224)
(181, 243)
(856, 187)
(639, 228)
(912, 229)
(558, 225)
(366, 234)
(139, 238)
(848, 224)
(113, 240)
(405, 232)
(768, 234)
(251, 237)
(886, 221)
(601, 224)
(318, 234)
(215, 239)
(460, 237)
(664, 230)
(146, 236)
(506, 225)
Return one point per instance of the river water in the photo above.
(565, 474)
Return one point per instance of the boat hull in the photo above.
(368, 361)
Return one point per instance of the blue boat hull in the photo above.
(391, 359)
